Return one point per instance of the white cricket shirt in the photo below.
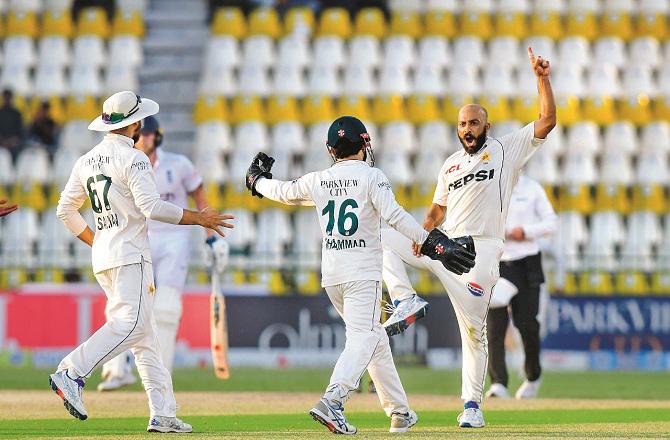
(176, 178)
(121, 186)
(530, 209)
(476, 189)
(350, 198)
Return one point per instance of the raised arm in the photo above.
(547, 120)
(259, 181)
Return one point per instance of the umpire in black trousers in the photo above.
(530, 217)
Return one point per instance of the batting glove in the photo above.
(218, 253)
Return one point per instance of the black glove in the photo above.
(260, 167)
(457, 256)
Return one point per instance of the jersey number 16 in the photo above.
(342, 217)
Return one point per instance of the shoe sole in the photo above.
(68, 406)
(401, 326)
(321, 418)
(469, 425)
(167, 430)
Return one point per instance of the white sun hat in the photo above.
(122, 109)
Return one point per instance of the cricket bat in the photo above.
(218, 328)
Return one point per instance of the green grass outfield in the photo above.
(594, 410)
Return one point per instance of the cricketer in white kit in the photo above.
(351, 197)
(472, 197)
(121, 186)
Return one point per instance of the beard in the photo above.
(479, 142)
(136, 137)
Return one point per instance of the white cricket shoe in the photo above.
(70, 391)
(332, 417)
(405, 313)
(402, 422)
(528, 389)
(168, 424)
(471, 417)
(112, 383)
(498, 390)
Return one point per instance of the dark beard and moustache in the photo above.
(136, 137)
(480, 141)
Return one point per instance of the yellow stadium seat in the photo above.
(214, 196)
(265, 21)
(511, 23)
(525, 108)
(406, 22)
(477, 24)
(452, 104)
(632, 283)
(275, 282)
(551, 195)
(128, 23)
(57, 23)
(422, 109)
(299, 18)
(23, 106)
(388, 109)
(308, 282)
(662, 108)
(612, 198)
(56, 107)
(81, 108)
(616, 24)
(370, 21)
(424, 284)
(229, 21)
(568, 110)
(649, 197)
(53, 195)
(636, 109)
(50, 276)
(596, 282)
(660, 283)
(30, 195)
(576, 198)
(582, 24)
(282, 108)
(440, 23)
(93, 21)
(22, 23)
(497, 107)
(247, 108)
(354, 106)
(209, 108)
(600, 110)
(653, 25)
(570, 284)
(317, 109)
(335, 21)
(546, 24)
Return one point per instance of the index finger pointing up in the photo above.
(531, 55)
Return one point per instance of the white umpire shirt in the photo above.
(531, 210)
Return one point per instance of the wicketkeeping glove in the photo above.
(458, 255)
(260, 167)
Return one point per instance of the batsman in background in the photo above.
(176, 181)
(120, 183)
(351, 197)
(472, 197)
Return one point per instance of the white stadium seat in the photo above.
(664, 80)
(288, 137)
(294, 51)
(58, 5)
(7, 176)
(462, 80)
(85, 80)
(606, 233)
(20, 233)
(610, 50)
(119, 77)
(239, 163)
(434, 51)
(645, 51)
(244, 233)
(501, 129)
(656, 137)
(50, 80)
(253, 80)
(54, 246)
(289, 80)
(32, 165)
(218, 81)
(398, 136)
(211, 166)
(584, 137)
(75, 136)
(644, 232)
(525, 83)
(307, 243)
(399, 51)
(584, 6)
(251, 136)
(543, 167)
(542, 46)
(504, 51)
(64, 161)
(637, 80)
(436, 136)
(25, 5)
(359, 80)
(574, 51)
(513, 6)
(477, 6)
(652, 168)
(579, 167)
(258, 50)
(396, 167)
(497, 80)
(274, 234)
(616, 168)
(621, 136)
(428, 165)
(222, 51)
(469, 48)
(549, 6)
(125, 50)
(365, 49)
(214, 136)
(394, 80)
(428, 80)
(324, 80)
(55, 51)
(571, 235)
(89, 50)
(603, 81)
(329, 51)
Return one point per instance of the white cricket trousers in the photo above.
(130, 325)
(469, 293)
(366, 346)
(170, 255)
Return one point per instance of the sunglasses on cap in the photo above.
(115, 118)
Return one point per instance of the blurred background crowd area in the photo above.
(234, 77)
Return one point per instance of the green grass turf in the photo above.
(588, 385)
(432, 424)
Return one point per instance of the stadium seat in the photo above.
(542, 45)
(244, 233)
(394, 80)
(399, 51)
(222, 51)
(54, 51)
(253, 80)
(476, 18)
(274, 236)
(638, 86)
(422, 109)
(543, 167)
(572, 234)
(510, 20)
(7, 177)
(440, 23)
(213, 136)
(64, 161)
(75, 136)
(299, 22)
(57, 23)
(357, 106)
(398, 136)
(452, 103)
(621, 137)
(606, 234)
(89, 50)
(246, 108)
(258, 50)
(251, 136)
(22, 24)
(119, 78)
(58, 5)
(645, 51)
(93, 21)
(19, 51)
(612, 194)
(429, 80)
(610, 50)
(54, 247)
(546, 19)
(288, 80)
(388, 109)
(396, 166)
(582, 18)
(584, 137)
(32, 165)
(317, 157)
(211, 167)
(128, 23)
(307, 244)
(649, 196)
(85, 80)
(652, 19)
(469, 48)
(497, 80)
(218, 81)
(428, 163)
(644, 232)
(125, 50)
(434, 51)
(17, 79)
(595, 282)
(229, 21)
(616, 20)
(288, 137)
(21, 231)
(365, 49)
(335, 22)
(50, 81)
(359, 80)
(294, 51)
(208, 109)
(574, 51)
(370, 22)
(462, 80)
(329, 51)
(504, 51)
(655, 136)
(406, 23)
(317, 109)
(324, 80)
(265, 21)
(281, 108)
